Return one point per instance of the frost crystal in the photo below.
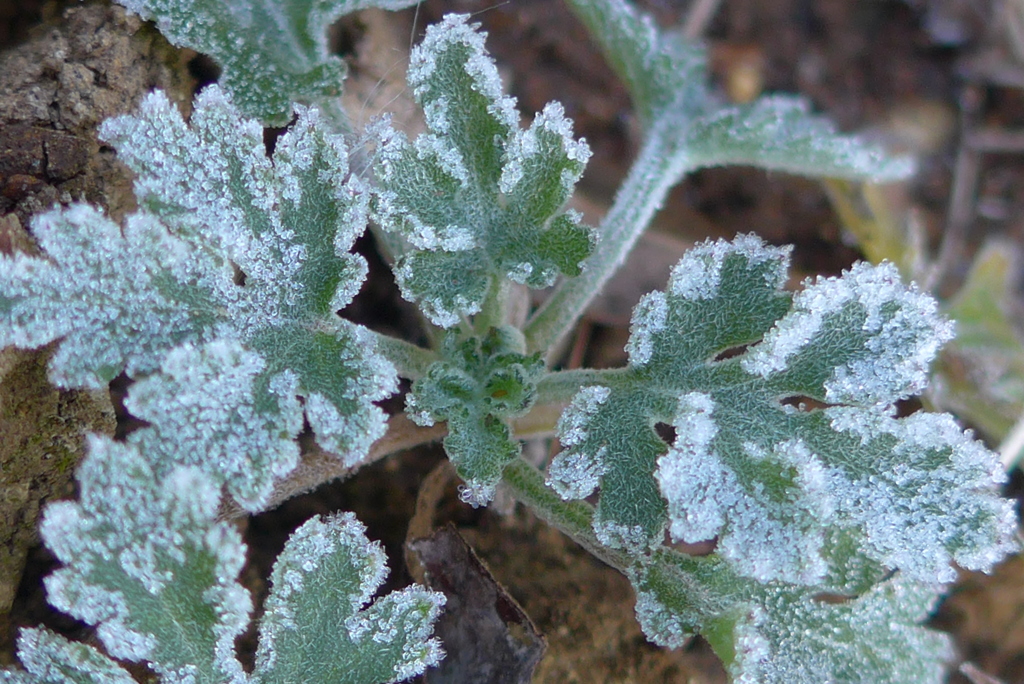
(321, 582)
(206, 409)
(271, 55)
(779, 634)
(476, 196)
(668, 81)
(52, 659)
(900, 329)
(146, 561)
(779, 132)
(229, 247)
(791, 495)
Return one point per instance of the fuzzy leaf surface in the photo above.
(146, 561)
(664, 72)
(477, 386)
(117, 301)
(51, 659)
(780, 133)
(784, 634)
(272, 53)
(213, 407)
(316, 628)
(779, 485)
(228, 246)
(476, 197)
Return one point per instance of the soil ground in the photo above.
(913, 74)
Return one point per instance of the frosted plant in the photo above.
(477, 198)
(776, 484)
(228, 245)
(757, 418)
(148, 563)
(476, 388)
(272, 53)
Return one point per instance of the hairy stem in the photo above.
(411, 361)
(562, 386)
(572, 518)
(493, 312)
(319, 467)
(658, 167)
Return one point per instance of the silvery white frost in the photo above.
(476, 197)
(219, 298)
(148, 563)
(228, 246)
(773, 484)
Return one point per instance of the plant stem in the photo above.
(562, 386)
(493, 311)
(658, 167)
(572, 518)
(411, 361)
(320, 467)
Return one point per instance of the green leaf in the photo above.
(476, 197)
(272, 53)
(477, 386)
(228, 246)
(117, 302)
(146, 561)
(779, 133)
(773, 479)
(666, 75)
(316, 628)
(781, 634)
(51, 659)
(287, 224)
(982, 372)
(686, 128)
(664, 72)
(216, 408)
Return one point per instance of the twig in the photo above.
(698, 18)
(991, 139)
(319, 467)
(961, 202)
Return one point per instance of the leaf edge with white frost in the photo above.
(797, 455)
(125, 544)
(202, 411)
(293, 65)
(457, 254)
(352, 638)
(49, 658)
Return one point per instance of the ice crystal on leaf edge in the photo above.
(214, 206)
(476, 197)
(776, 486)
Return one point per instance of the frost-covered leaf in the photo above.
(316, 628)
(476, 197)
(287, 224)
(146, 561)
(781, 634)
(51, 659)
(665, 73)
(229, 246)
(117, 301)
(778, 485)
(271, 52)
(780, 133)
(213, 407)
(667, 78)
(477, 386)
